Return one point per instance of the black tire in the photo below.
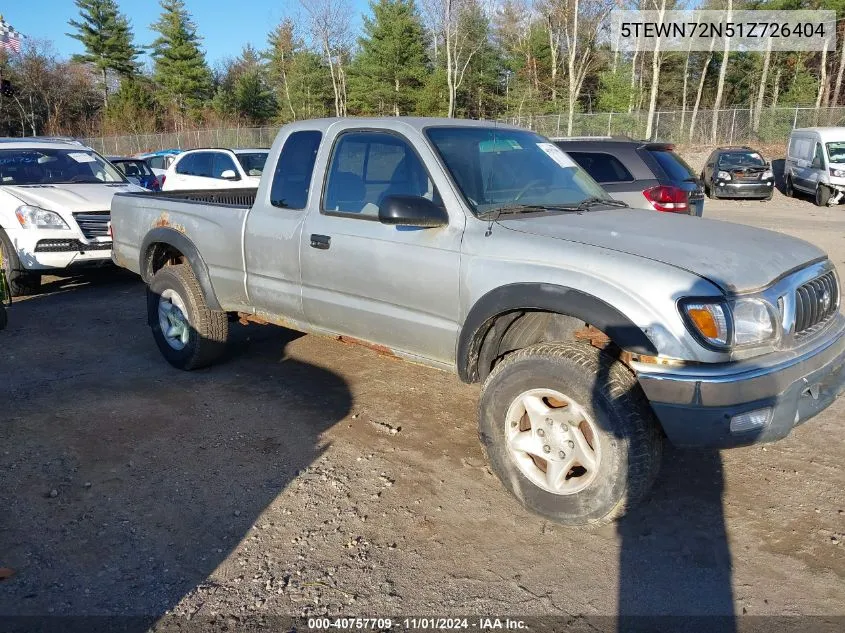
(822, 195)
(20, 281)
(4, 317)
(208, 329)
(788, 189)
(631, 441)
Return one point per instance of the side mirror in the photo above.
(411, 211)
(229, 174)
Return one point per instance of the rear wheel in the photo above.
(788, 189)
(822, 195)
(569, 433)
(188, 333)
(21, 281)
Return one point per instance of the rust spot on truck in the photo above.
(382, 350)
(245, 318)
(595, 336)
(163, 221)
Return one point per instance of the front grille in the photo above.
(815, 302)
(93, 223)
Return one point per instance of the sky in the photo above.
(225, 25)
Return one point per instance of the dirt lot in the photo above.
(305, 475)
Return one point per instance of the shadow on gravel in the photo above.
(126, 482)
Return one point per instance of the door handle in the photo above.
(320, 241)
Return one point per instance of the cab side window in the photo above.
(366, 167)
(294, 169)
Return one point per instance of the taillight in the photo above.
(668, 198)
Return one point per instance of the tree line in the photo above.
(465, 58)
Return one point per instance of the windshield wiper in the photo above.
(600, 202)
(513, 209)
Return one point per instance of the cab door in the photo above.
(393, 286)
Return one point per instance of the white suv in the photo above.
(55, 196)
(215, 169)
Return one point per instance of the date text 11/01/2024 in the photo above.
(429, 623)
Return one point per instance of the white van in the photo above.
(815, 164)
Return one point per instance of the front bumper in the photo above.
(760, 189)
(44, 250)
(696, 404)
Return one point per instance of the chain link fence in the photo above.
(733, 126)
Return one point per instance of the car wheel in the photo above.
(188, 333)
(569, 432)
(20, 281)
(822, 195)
(788, 189)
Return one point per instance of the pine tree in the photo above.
(107, 37)
(392, 64)
(180, 67)
(243, 90)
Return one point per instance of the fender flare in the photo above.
(172, 237)
(551, 298)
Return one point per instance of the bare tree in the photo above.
(822, 76)
(720, 87)
(656, 62)
(701, 79)
(834, 96)
(329, 25)
(761, 90)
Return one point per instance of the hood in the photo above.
(735, 257)
(70, 197)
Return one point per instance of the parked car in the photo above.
(815, 164)
(136, 171)
(215, 168)
(737, 172)
(643, 174)
(54, 208)
(485, 250)
(159, 161)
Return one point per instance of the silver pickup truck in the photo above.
(596, 331)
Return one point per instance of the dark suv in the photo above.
(643, 174)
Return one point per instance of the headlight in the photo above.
(37, 218)
(727, 324)
(770, 174)
(837, 173)
(723, 175)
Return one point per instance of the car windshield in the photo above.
(136, 168)
(502, 168)
(253, 162)
(741, 159)
(55, 167)
(836, 152)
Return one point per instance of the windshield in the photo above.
(741, 159)
(253, 163)
(55, 167)
(836, 152)
(498, 168)
(136, 168)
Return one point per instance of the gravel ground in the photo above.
(308, 476)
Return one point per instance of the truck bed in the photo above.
(211, 220)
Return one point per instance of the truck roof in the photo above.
(395, 122)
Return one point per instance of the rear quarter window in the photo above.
(673, 165)
(602, 167)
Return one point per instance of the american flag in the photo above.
(10, 39)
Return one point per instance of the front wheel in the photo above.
(188, 333)
(822, 195)
(20, 281)
(569, 433)
(788, 189)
